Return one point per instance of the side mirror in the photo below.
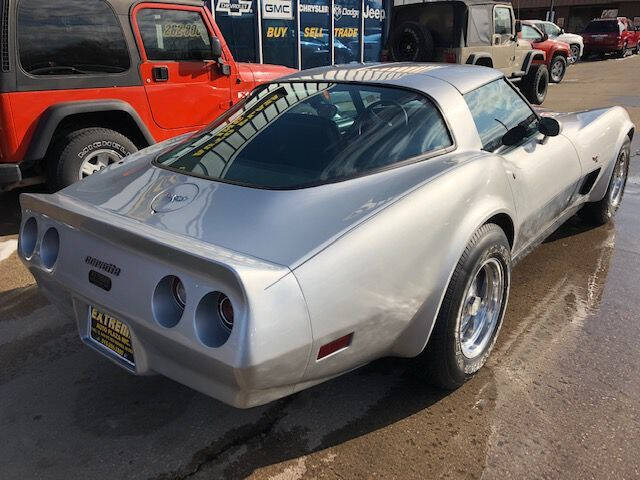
(545, 37)
(562, 32)
(549, 127)
(514, 136)
(216, 48)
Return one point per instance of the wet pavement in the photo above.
(557, 399)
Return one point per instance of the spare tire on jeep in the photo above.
(535, 83)
(411, 42)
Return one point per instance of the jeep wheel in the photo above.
(535, 83)
(558, 69)
(84, 152)
(410, 42)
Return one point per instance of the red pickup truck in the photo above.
(556, 53)
(85, 83)
(610, 35)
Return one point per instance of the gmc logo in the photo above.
(278, 9)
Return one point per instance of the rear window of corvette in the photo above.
(297, 134)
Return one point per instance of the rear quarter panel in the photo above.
(385, 280)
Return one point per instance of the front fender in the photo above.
(597, 136)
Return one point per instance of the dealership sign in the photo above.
(277, 9)
(235, 8)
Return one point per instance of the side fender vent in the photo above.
(4, 36)
(588, 182)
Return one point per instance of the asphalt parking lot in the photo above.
(559, 397)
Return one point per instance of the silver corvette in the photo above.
(333, 217)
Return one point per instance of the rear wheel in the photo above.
(558, 69)
(84, 152)
(535, 83)
(471, 313)
(410, 42)
(603, 211)
(623, 53)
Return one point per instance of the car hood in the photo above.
(285, 227)
(570, 38)
(263, 72)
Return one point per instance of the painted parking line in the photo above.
(7, 248)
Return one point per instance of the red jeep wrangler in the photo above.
(610, 35)
(85, 82)
(556, 52)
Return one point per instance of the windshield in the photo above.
(602, 26)
(290, 135)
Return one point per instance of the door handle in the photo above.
(160, 74)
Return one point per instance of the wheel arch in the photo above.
(498, 213)
(480, 58)
(530, 57)
(62, 118)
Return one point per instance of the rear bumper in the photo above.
(9, 174)
(240, 385)
(598, 48)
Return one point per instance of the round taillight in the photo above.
(168, 302)
(50, 248)
(214, 319)
(179, 292)
(28, 237)
(225, 311)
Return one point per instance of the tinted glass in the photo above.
(279, 34)
(70, 37)
(315, 26)
(374, 16)
(602, 26)
(502, 21)
(179, 35)
(346, 31)
(530, 33)
(237, 21)
(496, 108)
(289, 135)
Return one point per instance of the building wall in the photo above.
(573, 15)
(302, 33)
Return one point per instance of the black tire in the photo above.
(560, 63)
(599, 213)
(622, 53)
(535, 83)
(410, 42)
(70, 152)
(445, 363)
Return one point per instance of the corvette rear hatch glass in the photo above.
(297, 134)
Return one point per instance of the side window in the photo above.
(179, 35)
(70, 37)
(531, 34)
(496, 108)
(502, 21)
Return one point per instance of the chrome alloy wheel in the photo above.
(575, 53)
(618, 180)
(481, 308)
(557, 70)
(97, 160)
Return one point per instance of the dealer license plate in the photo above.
(112, 334)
